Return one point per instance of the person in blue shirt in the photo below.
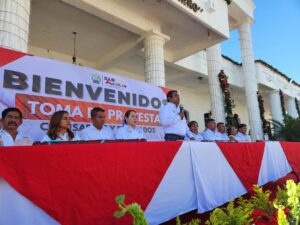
(232, 132)
(242, 135)
(210, 132)
(221, 132)
(193, 133)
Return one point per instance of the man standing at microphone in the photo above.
(172, 118)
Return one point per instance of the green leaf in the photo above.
(119, 214)
(282, 220)
(120, 199)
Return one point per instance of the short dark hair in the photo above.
(170, 94)
(220, 123)
(229, 129)
(242, 125)
(208, 121)
(192, 123)
(11, 109)
(95, 111)
(127, 114)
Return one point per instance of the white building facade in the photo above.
(171, 43)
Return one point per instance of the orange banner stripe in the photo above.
(41, 108)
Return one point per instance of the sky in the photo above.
(275, 36)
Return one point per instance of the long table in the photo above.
(76, 184)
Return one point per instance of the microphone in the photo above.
(181, 109)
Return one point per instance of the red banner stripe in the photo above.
(77, 184)
(8, 56)
(292, 153)
(245, 159)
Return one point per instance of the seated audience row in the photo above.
(217, 132)
(172, 119)
(60, 128)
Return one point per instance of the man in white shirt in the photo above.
(221, 133)
(210, 133)
(193, 133)
(242, 135)
(9, 135)
(97, 131)
(172, 118)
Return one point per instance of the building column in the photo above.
(291, 107)
(250, 82)
(14, 24)
(214, 62)
(154, 60)
(275, 106)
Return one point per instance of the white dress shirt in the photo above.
(7, 140)
(60, 138)
(209, 135)
(221, 136)
(242, 137)
(232, 137)
(92, 133)
(196, 137)
(127, 132)
(171, 121)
